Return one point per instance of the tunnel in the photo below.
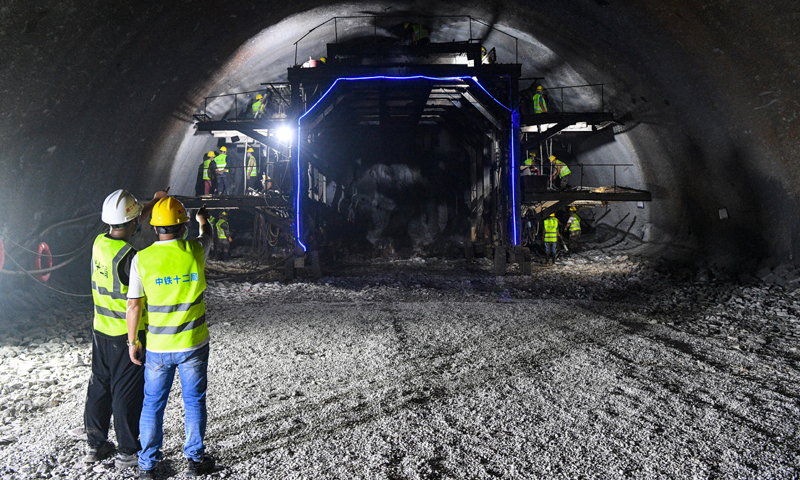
(704, 96)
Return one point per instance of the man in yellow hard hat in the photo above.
(550, 234)
(574, 228)
(223, 237)
(223, 180)
(417, 33)
(539, 104)
(559, 173)
(168, 278)
(252, 170)
(209, 173)
(257, 108)
(529, 167)
(115, 386)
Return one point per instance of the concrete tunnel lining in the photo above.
(132, 100)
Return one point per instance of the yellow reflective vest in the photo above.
(222, 162)
(256, 108)
(574, 223)
(108, 292)
(539, 105)
(206, 163)
(550, 230)
(251, 166)
(173, 278)
(221, 229)
(562, 168)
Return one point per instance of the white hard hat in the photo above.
(120, 207)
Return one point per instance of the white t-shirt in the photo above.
(136, 289)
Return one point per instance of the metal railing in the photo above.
(549, 168)
(370, 25)
(237, 106)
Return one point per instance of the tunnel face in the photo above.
(99, 97)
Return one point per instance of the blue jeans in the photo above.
(550, 248)
(159, 372)
(223, 184)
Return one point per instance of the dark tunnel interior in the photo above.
(99, 96)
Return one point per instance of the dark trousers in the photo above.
(116, 386)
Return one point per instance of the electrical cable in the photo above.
(51, 255)
(254, 272)
(30, 274)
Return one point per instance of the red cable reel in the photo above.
(44, 252)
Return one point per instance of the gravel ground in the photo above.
(599, 367)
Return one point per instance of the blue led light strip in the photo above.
(415, 77)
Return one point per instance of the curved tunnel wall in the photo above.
(100, 96)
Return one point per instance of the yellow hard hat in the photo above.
(483, 49)
(223, 149)
(259, 96)
(250, 150)
(573, 209)
(539, 88)
(552, 214)
(211, 154)
(168, 211)
(552, 158)
(405, 25)
(323, 59)
(224, 213)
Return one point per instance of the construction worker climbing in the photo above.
(223, 237)
(560, 173)
(551, 233)
(223, 180)
(257, 109)
(539, 104)
(574, 228)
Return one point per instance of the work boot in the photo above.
(204, 466)
(99, 452)
(147, 474)
(125, 460)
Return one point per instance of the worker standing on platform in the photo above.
(209, 173)
(551, 233)
(257, 109)
(418, 35)
(168, 278)
(223, 180)
(252, 170)
(529, 167)
(539, 104)
(223, 237)
(560, 173)
(574, 228)
(116, 386)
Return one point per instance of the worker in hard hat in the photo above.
(223, 237)
(251, 171)
(257, 109)
(551, 234)
(168, 281)
(223, 180)
(559, 173)
(529, 167)
(539, 104)
(209, 173)
(574, 228)
(417, 33)
(116, 385)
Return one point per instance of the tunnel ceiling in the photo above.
(100, 95)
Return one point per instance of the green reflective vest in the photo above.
(220, 230)
(251, 166)
(562, 169)
(419, 32)
(256, 107)
(550, 230)
(528, 161)
(109, 294)
(173, 278)
(574, 223)
(222, 161)
(206, 163)
(539, 105)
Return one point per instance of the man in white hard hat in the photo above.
(116, 385)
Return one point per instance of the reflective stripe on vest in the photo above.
(174, 281)
(109, 294)
(220, 230)
(539, 105)
(550, 230)
(575, 224)
(419, 32)
(206, 163)
(251, 166)
(222, 161)
(563, 170)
